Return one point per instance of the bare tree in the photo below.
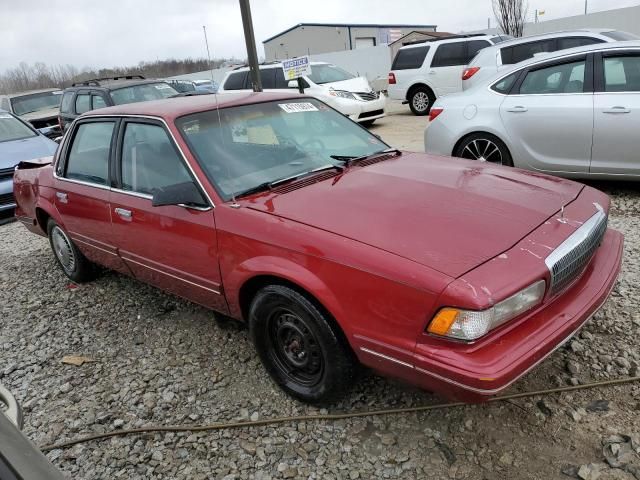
(511, 15)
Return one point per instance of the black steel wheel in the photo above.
(300, 346)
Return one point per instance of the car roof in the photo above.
(112, 84)
(31, 92)
(171, 108)
(452, 38)
(543, 36)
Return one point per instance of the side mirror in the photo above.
(292, 84)
(179, 194)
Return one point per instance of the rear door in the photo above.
(81, 185)
(172, 247)
(549, 115)
(616, 113)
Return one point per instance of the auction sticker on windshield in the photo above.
(298, 107)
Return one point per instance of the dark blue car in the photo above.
(18, 141)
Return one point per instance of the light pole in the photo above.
(249, 38)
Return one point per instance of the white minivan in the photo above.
(425, 70)
(350, 95)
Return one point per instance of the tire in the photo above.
(484, 147)
(73, 263)
(367, 123)
(299, 347)
(420, 100)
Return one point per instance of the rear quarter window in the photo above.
(236, 81)
(409, 58)
(450, 55)
(504, 86)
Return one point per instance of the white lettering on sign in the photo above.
(298, 107)
(296, 67)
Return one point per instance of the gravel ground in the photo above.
(159, 360)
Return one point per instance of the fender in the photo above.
(423, 82)
(281, 268)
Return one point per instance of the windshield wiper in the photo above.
(274, 183)
(349, 159)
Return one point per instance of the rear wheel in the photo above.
(420, 100)
(299, 347)
(73, 263)
(484, 147)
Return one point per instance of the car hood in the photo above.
(26, 149)
(448, 214)
(358, 84)
(40, 114)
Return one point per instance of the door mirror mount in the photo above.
(186, 193)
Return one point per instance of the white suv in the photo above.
(350, 95)
(491, 60)
(425, 70)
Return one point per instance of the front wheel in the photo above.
(74, 264)
(299, 347)
(484, 147)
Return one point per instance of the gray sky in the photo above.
(106, 33)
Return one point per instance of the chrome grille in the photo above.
(567, 262)
(367, 96)
(6, 173)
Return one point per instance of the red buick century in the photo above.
(335, 249)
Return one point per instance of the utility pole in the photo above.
(249, 38)
(536, 21)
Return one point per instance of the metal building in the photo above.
(314, 38)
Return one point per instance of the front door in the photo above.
(82, 191)
(617, 115)
(549, 118)
(172, 247)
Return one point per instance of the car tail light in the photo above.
(434, 112)
(392, 78)
(469, 72)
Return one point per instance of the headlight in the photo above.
(470, 325)
(342, 94)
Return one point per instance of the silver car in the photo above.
(495, 58)
(574, 113)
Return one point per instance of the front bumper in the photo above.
(479, 371)
(7, 200)
(358, 110)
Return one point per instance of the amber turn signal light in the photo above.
(442, 322)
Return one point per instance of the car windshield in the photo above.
(183, 86)
(142, 93)
(252, 145)
(35, 102)
(13, 129)
(328, 73)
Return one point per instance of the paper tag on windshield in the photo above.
(298, 107)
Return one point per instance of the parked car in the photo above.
(104, 92)
(491, 60)
(18, 141)
(20, 459)
(182, 86)
(334, 248)
(569, 114)
(350, 95)
(427, 69)
(38, 107)
(206, 85)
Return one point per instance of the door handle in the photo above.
(123, 213)
(517, 109)
(62, 197)
(432, 72)
(617, 109)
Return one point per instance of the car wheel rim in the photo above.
(420, 101)
(482, 150)
(295, 350)
(63, 249)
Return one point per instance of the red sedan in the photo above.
(335, 249)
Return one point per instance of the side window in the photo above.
(65, 104)
(473, 47)
(268, 78)
(88, 159)
(573, 42)
(562, 78)
(149, 159)
(236, 81)
(525, 51)
(450, 54)
(83, 103)
(97, 102)
(504, 85)
(409, 58)
(622, 73)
